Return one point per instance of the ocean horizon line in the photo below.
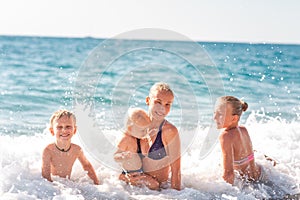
(153, 39)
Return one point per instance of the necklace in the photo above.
(63, 150)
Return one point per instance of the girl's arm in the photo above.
(227, 152)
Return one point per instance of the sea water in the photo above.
(100, 80)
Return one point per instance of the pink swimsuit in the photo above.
(244, 160)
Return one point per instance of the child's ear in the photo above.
(75, 129)
(236, 118)
(148, 100)
(51, 131)
(129, 128)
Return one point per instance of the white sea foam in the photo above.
(20, 175)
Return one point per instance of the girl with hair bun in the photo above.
(236, 145)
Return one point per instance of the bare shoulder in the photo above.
(226, 136)
(127, 139)
(170, 130)
(127, 142)
(75, 147)
(49, 147)
(242, 128)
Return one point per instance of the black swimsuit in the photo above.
(139, 151)
(157, 150)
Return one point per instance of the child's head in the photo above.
(228, 110)
(62, 121)
(160, 100)
(160, 87)
(138, 122)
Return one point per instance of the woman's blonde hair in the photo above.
(160, 86)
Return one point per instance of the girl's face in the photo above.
(63, 128)
(223, 115)
(159, 104)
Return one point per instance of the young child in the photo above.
(236, 145)
(163, 160)
(59, 157)
(129, 152)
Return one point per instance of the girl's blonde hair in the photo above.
(238, 106)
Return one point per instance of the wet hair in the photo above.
(59, 114)
(138, 116)
(238, 106)
(160, 86)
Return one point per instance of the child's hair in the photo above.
(138, 116)
(160, 86)
(238, 106)
(60, 113)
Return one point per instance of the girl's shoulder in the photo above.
(226, 134)
(242, 129)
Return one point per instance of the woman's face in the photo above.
(159, 103)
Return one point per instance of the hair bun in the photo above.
(244, 105)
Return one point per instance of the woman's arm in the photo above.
(172, 141)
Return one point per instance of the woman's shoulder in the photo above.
(169, 127)
(169, 131)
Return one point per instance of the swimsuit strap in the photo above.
(138, 141)
(162, 124)
(244, 160)
(157, 150)
(132, 171)
(139, 150)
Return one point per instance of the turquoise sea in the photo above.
(100, 79)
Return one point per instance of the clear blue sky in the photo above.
(202, 20)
